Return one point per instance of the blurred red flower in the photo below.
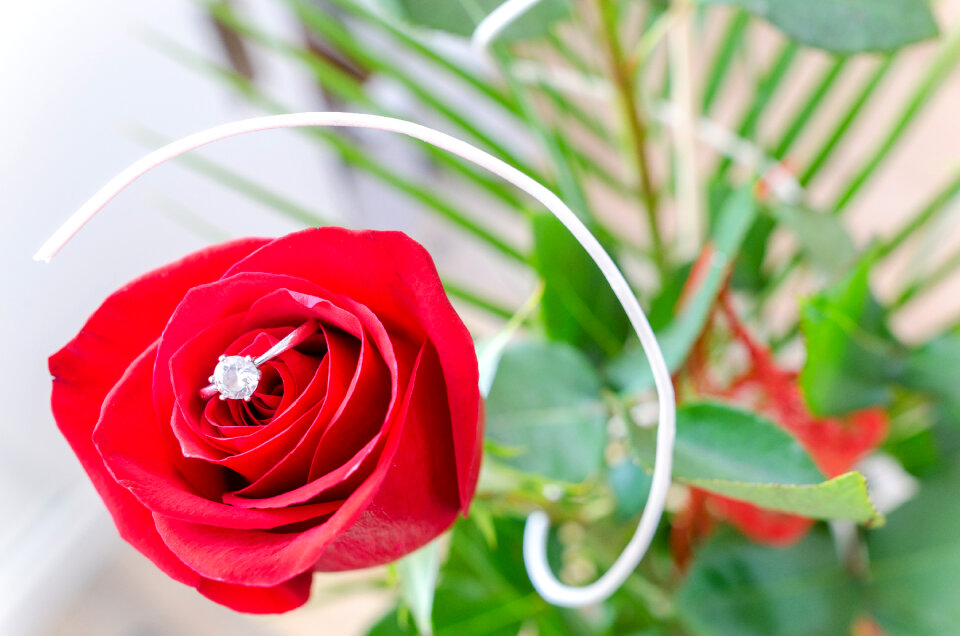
(835, 444)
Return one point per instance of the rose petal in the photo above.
(206, 305)
(187, 418)
(136, 453)
(287, 596)
(238, 439)
(396, 278)
(266, 558)
(202, 307)
(357, 376)
(87, 368)
(402, 518)
(335, 485)
(191, 363)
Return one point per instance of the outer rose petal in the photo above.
(400, 519)
(259, 600)
(127, 323)
(396, 278)
(136, 455)
(137, 526)
(86, 369)
(269, 558)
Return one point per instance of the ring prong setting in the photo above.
(236, 377)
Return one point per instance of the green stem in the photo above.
(810, 106)
(567, 53)
(917, 221)
(731, 42)
(844, 124)
(322, 24)
(689, 222)
(566, 180)
(765, 90)
(940, 273)
(349, 151)
(472, 298)
(658, 24)
(423, 194)
(626, 98)
(776, 280)
(589, 123)
(945, 61)
(412, 43)
(236, 181)
(351, 89)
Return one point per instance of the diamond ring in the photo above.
(237, 377)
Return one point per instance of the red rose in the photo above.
(359, 445)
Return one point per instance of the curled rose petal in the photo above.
(408, 297)
(359, 444)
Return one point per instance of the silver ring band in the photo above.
(237, 377)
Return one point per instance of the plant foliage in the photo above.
(589, 98)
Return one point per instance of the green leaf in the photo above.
(462, 16)
(822, 237)
(851, 357)
(392, 625)
(578, 305)
(720, 442)
(765, 89)
(630, 372)
(418, 574)
(545, 402)
(739, 454)
(844, 497)
(730, 43)
(737, 588)
(846, 26)
(853, 361)
(630, 485)
(483, 590)
(748, 272)
(914, 563)
(935, 72)
(935, 369)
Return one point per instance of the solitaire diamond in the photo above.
(236, 377)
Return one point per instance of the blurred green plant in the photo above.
(582, 96)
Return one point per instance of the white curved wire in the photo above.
(496, 21)
(535, 534)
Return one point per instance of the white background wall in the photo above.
(73, 77)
